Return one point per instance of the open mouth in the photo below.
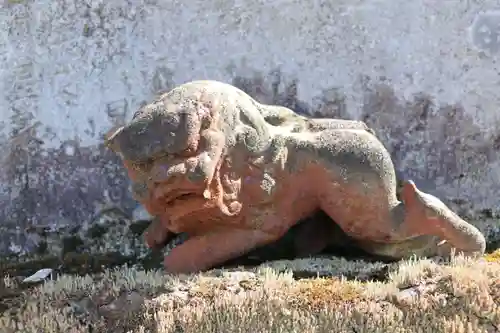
(185, 196)
(180, 197)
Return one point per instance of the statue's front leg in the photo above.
(206, 251)
(156, 235)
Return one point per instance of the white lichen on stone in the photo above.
(485, 31)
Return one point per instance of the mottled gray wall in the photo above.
(423, 73)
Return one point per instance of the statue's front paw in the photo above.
(179, 265)
(154, 241)
(156, 235)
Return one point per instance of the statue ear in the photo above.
(110, 138)
(409, 193)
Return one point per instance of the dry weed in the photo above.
(419, 296)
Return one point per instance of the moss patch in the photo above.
(493, 256)
(316, 294)
(459, 296)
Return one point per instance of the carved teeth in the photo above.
(206, 194)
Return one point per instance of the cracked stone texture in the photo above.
(423, 74)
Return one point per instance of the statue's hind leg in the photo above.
(427, 215)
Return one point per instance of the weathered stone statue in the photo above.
(234, 174)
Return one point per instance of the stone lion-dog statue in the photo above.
(233, 174)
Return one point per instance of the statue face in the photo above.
(180, 184)
(187, 151)
(173, 153)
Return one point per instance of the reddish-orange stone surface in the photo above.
(234, 174)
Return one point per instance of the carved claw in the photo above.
(204, 252)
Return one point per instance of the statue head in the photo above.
(187, 150)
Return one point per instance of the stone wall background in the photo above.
(424, 74)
